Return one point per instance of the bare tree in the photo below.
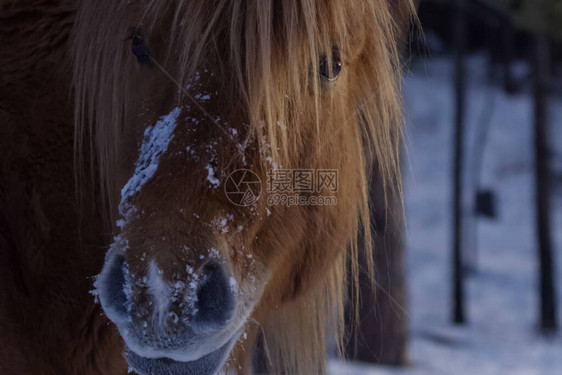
(547, 290)
(460, 31)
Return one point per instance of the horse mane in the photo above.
(264, 44)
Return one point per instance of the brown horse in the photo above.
(136, 126)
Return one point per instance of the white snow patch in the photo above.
(221, 223)
(191, 297)
(211, 177)
(159, 289)
(214, 253)
(157, 137)
(270, 161)
(190, 150)
(233, 284)
(202, 97)
(174, 317)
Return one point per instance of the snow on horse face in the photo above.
(179, 97)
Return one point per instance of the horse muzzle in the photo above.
(183, 326)
(208, 364)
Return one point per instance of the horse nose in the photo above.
(215, 298)
(210, 310)
(111, 285)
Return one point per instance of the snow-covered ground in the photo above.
(501, 336)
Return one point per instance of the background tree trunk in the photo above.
(548, 321)
(459, 27)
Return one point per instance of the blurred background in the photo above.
(471, 283)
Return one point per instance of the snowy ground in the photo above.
(501, 337)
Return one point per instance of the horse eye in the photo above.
(330, 72)
(139, 48)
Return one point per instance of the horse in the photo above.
(142, 142)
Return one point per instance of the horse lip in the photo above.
(208, 364)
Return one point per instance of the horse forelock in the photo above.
(264, 49)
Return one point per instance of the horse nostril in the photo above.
(111, 284)
(215, 298)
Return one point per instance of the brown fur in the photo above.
(48, 324)
(52, 242)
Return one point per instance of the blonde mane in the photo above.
(266, 46)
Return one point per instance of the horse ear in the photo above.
(403, 13)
